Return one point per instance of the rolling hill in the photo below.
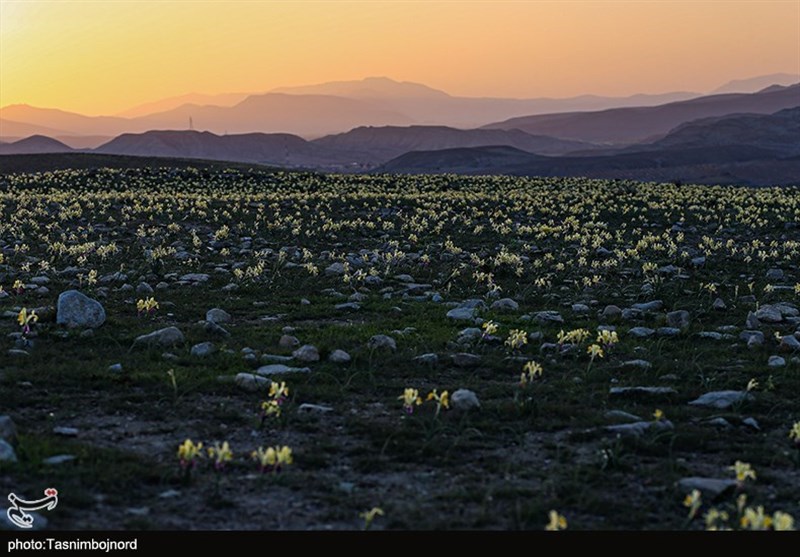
(34, 144)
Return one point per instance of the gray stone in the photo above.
(667, 332)
(195, 277)
(751, 423)
(548, 317)
(339, 357)
(288, 341)
(251, 382)
(203, 349)
(678, 319)
(382, 342)
(647, 391)
(769, 314)
(719, 305)
(8, 430)
(66, 431)
(75, 309)
(306, 353)
(654, 305)
(464, 399)
(17, 353)
(637, 429)
(641, 332)
(721, 399)
(473, 303)
(217, 315)
(214, 329)
(7, 453)
(168, 336)
(775, 274)
(638, 364)
(427, 359)
(776, 361)
(611, 313)
(59, 459)
(461, 314)
(751, 322)
(335, 269)
(752, 338)
(464, 359)
(274, 358)
(504, 304)
(710, 488)
(789, 343)
(632, 314)
(720, 422)
(621, 416)
(580, 309)
(347, 306)
(144, 288)
(277, 369)
(115, 368)
(698, 261)
(307, 408)
(469, 334)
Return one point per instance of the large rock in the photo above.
(75, 309)
(710, 488)
(461, 314)
(504, 304)
(306, 353)
(678, 319)
(277, 369)
(218, 316)
(339, 357)
(382, 342)
(464, 399)
(251, 382)
(168, 336)
(8, 429)
(7, 453)
(769, 314)
(721, 399)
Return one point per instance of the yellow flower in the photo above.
(743, 471)
(410, 398)
(557, 522)
(752, 385)
(221, 454)
(693, 502)
(607, 338)
(272, 459)
(530, 371)
(755, 519)
(188, 452)
(26, 319)
(442, 400)
(489, 328)
(148, 305)
(714, 517)
(517, 338)
(794, 433)
(782, 521)
(658, 415)
(594, 351)
(370, 515)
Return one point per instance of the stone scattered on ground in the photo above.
(251, 382)
(710, 488)
(203, 349)
(637, 429)
(66, 431)
(639, 391)
(276, 369)
(7, 453)
(168, 336)
(721, 399)
(307, 408)
(218, 316)
(339, 357)
(8, 430)
(464, 399)
(306, 353)
(427, 359)
(75, 309)
(465, 359)
(382, 342)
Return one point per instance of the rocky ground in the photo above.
(624, 354)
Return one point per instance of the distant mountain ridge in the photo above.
(34, 144)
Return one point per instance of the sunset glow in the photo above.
(101, 57)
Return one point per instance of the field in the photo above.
(471, 279)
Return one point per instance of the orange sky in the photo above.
(103, 56)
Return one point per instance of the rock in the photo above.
(775, 274)
(647, 391)
(667, 332)
(195, 277)
(115, 368)
(721, 399)
(66, 431)
(464, 400)
(17, 353)
(427, 359)
(473, 303)
(288, 341)
(776, 361)
(769, 314)
(548, 317)
(59, 459)
(464, 359)
(678, 319)
(169, 336)
(203, 349)
(143, 288)
(654, 305)
(461, 314)
(274, 358)
(580, 309)
(7, 453)
(8, 430)
(751, 322)
(335, 269)
(306, 353)
(638, 364)
(611, 313)
(347, 306)
(720, 422)
(218, 316)
(504, 304)
(382, 342)
(620, 416)
(632, 314)
(251, 382)
(719, 305)
(214, 329)
(637, 429)
(277, 369)
(641, 332)
(751, 423)
(698, 261)
(307, 408)
(752, 338)
(78, 310)
(789, 343)
(339, 357)
(468, 335)
(710, 488)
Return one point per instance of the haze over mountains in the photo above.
(375, 124)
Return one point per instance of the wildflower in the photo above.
(576, 336)
(530, 371)
(442, 400)
(595, 351)
(714, 517)
(752, 385)
(782, 521)
(221, 455)
(489, 328)
(768, 289)
(557, 522)
(743, 471)
(794, 434)
(607, 338)
(188, 453)
(26, 319)
(797, 288)
(658, 415)
(370, 515)
(273, 458)
(148, 306)
(755, 519)
(18, 287)
(517, 338)
(693, 502)
(410, 398)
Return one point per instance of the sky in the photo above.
(104, 56)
